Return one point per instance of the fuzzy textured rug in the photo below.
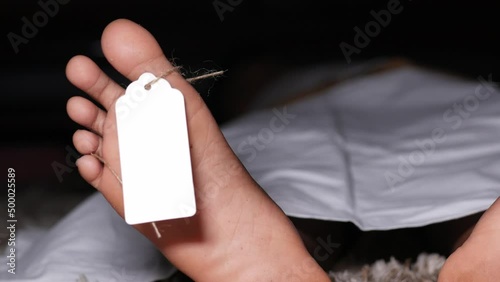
(425, 269)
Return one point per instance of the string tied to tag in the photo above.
(190, 80)
(210, 74)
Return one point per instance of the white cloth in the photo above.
(401, 148)
(92, 243)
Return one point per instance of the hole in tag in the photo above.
(147, 86)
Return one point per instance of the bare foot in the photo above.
(238, 233)
(478, 258)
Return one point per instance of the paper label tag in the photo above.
(154, 152)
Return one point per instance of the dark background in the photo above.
(459, 36)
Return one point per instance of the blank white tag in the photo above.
(154, 152)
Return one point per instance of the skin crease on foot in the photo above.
(238, 232)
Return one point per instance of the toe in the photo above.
(87, 142)
(91, 170)
(132, 50)
(87, 76)
(87, 114)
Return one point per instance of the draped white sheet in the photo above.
(401, 148)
